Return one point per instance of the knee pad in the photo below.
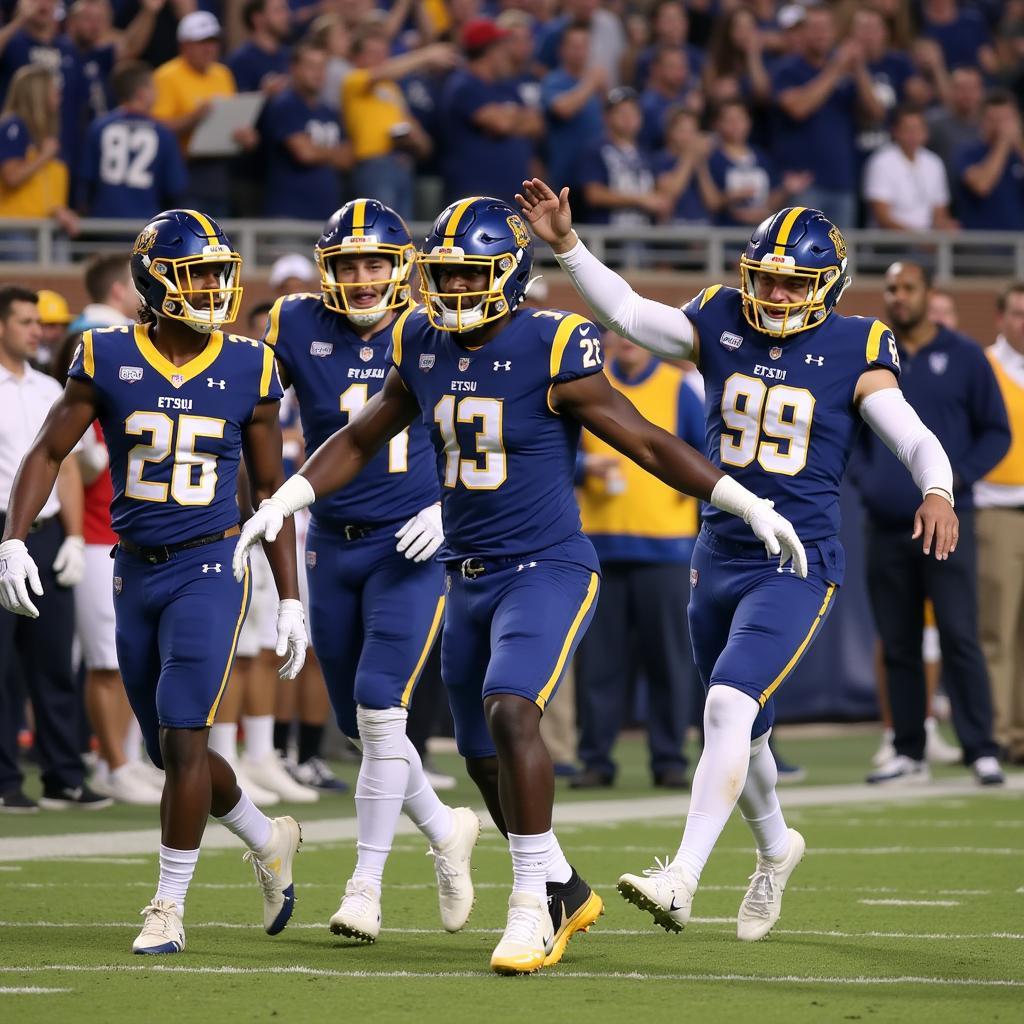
(382, 732)
(756, 746)
(726, 706)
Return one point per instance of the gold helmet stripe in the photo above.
(453, 221)
(206, 225)
(787, 226)
(359, 217)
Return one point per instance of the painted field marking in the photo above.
(909, 903)
(30, 990)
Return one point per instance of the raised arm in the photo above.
(664, 330)
(337, 462)
(611, 416)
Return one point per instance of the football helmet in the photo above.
(481, 234)
(359, 228)
(797, 243)
(165, 257)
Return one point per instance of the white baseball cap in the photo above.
(197, 26)
(292, 265)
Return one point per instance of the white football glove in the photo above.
(265, 524)
(420, 538)
(69, 565)
(291, 637)
(778, 535)
(16, 566)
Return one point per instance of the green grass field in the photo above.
(908, 910)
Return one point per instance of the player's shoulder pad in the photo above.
(257, 356)
(410, 322)
(714, 295)
(285, 308)
(99, 341)
(573, 342)
(873, 341)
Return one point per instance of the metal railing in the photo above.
(708, 251)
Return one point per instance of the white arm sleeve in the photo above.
(664, 330)
(893, 419)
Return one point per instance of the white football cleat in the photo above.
(664, 891)
(273, 867)
(528, 938)
(452, 867)
(269, 773)
(261, 797)
(987, 772)
(901, 771)
(358, 917)
(762, 903)
(162, 931)
(124, 786)
(886, 751)
(936, 749)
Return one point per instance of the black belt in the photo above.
(36, 526)
(474, 566)
(353, 531)
(158, 555)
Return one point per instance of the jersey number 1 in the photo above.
(352, 401)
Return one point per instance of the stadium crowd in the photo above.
(890, 113)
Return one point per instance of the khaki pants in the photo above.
(558, 726)
(1000, 534)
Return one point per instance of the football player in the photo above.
(503, 392)
(376, 597)
(788, 381)
(179, 402)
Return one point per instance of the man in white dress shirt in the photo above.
(42, 644)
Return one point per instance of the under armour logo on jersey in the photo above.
(526, 565)
(211, 383)
(814, 360)
(211, 567)
(506, 365)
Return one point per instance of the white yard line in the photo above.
(30, 990)
(910, 903)
(321, 972)
(125, 843)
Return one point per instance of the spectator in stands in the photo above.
(31, 37)
(261, 62)
(292, 273)
(489, 133)
(616, 175)
(43, 645)
(950, 384)
(54, 317)
(607, 36)
(132, 165)
(957, 123)
(33, 178)
(820, 93)
(942, 308)
(668, 86)
(991, 172)
(749, 185)
(524, 71)
(572, 98)
(113, 300)
(185, 87)
(682, 174)
(386, 138)
(670, 28)
(736, 51)
(961, 31)
(905, 184)
(306, 153)
(643, 532)
(999, 499)
(331, 34)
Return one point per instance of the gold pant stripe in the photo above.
(545, 693)
(234, 643)
(798, 654)
(435, 628)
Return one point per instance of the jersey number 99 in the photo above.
(771, 424)
(162, 441)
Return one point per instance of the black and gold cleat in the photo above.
(574, 907)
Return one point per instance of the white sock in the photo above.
(224, 740)
(558, 868)
(380, 788)
(759, 803)
(133, 741)
(248, 822)
(720, 775)
(176, 870)
(530, 863)
(423, 806)
(259, 737)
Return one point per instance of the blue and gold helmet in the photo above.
(164, 261)
(795, 243)
(480, 234)
(364, 227)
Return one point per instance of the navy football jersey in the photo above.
(780, 412)
(174, 433)
(504, 458)
(334, 373)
